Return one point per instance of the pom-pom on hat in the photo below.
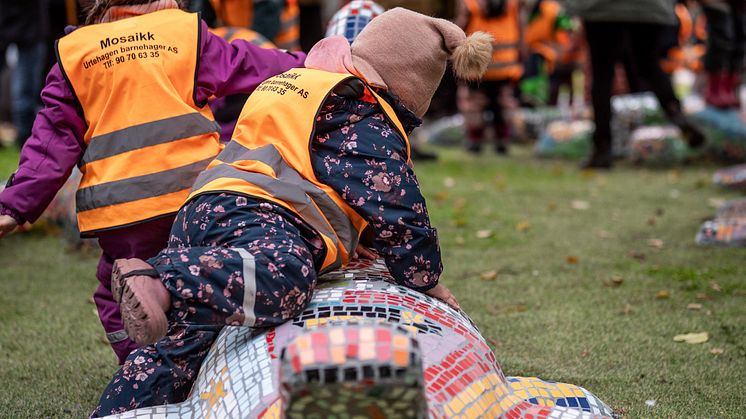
(406, 53)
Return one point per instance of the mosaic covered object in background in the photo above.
(363, 339)
(728, 228)
(731, 177)
(657, 145)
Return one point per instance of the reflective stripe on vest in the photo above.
(146, 135)
(269, 158)
(309, 201)
(146, 139)
(505, 30)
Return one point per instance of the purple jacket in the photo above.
(56, 142)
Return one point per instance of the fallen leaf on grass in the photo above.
(459, 204)
(580, 205)
(459, 222)
(523, 226)
(662, 295)
(552, 206)
(717, 351)
(692, 338)
(614, 281)
(627, 310)
(488, 276)
(637, 255)
(655, 243)
(440, 196)
(494, 343)
(703, 296)
(650, 403)
(584, 353)
(659, 212)
(572, 259)
(449, 182)
(715, 287)
(651, 221)
(460, 241)
(694, 306)
(484, 234)
(587, 173)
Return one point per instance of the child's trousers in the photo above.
(140, 241)
(230, 261)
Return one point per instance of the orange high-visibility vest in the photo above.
(685, 55)
(231, 33)
(288, 37)
(146, 138)
(543, 38)
(269, 158)
(506, 31)
(234, 12)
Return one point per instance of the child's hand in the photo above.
(7, 224)
(362, 252)
(444, 294)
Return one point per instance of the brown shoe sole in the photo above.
(143, 318)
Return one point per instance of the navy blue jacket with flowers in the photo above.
(360, 154)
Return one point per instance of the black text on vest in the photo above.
(140, 36)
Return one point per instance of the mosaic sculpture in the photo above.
(368, 348)
(731, 177)
(728, 228)
(657, 145)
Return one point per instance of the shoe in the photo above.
(143, 300)
(693, 135)
(598, 161)
(474, 148)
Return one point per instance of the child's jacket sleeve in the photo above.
(56, 142)
(358, 153)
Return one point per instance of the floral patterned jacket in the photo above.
(360, 154)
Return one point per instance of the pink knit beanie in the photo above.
(406, 53)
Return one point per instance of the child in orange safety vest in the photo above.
(499, 18)
(127, 103)
(318, 156)
(548, 37)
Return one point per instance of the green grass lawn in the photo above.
(595, 322)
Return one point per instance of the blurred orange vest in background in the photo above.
(146, 138)
(543, 38)
(686, 54)
(231, 33)
(506, 30)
